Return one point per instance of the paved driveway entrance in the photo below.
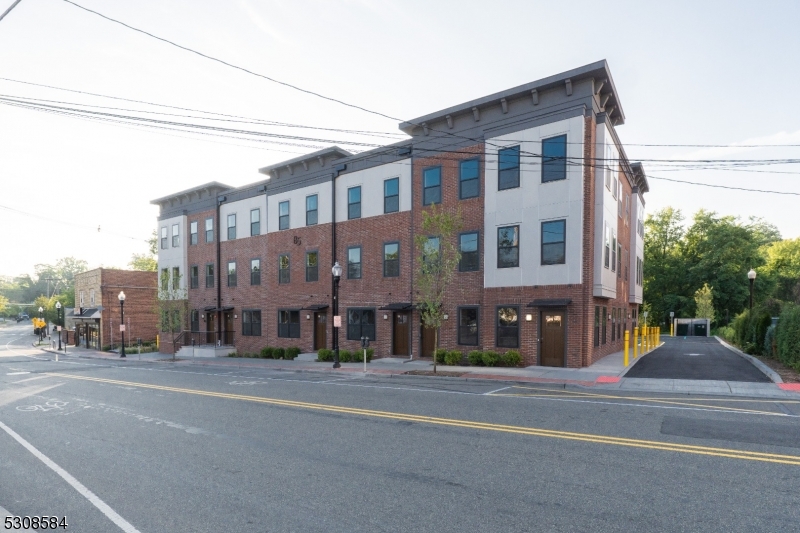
(696, 358)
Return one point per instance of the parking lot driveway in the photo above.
(696, 358)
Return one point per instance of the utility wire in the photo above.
(69, 222)
(7, 11)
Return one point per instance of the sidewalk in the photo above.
(606, 374)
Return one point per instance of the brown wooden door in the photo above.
(553, 338)
(211, 326)
(320, 330)
(228, 325)
(400, 334)
(428, 341)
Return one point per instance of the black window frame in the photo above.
(619, 260)
(604, 325)
(209, 276)
(231, 234)
(426, 259)
(613, 324)
(312, 272)
(508, 247)
(460, 334)
(432, 188)
(283, 220)
(563, 242)
(497, 326)
(209, 232)
(176, 235)
(194, 320)
(164, 238)
(194, 277)
(251, 322)
(394, 199)
(176, 278)
(164, 279)
(255, 226)
(284, 272)
(353, 208)
(315, 211)
(255, 273)
(596, 325)
(391, 263)
(477, 252)
(192, 233)
(556, 165)
(289, 329)
(232, 278)
(356, 331)
(606, 246)
(360, 262)
(511, 172)
(476, 179)
(613, 251)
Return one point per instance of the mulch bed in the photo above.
(788, 375)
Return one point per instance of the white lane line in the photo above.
(16, 373)
(498, 390)
(112, 515)
(31, 379)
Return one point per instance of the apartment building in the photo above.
(552, 238)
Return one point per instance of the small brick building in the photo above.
(97, 312)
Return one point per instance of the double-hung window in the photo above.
(194, 320)
(193, 232)
(251, 323)
(605, 324)
(354, 262)
(255, 222)
(209, 230)
(391, 259)
(469, 178)
(176, 235)
(391, 195)
(255, 272)
(360, 323)
(164, 279)
(283, 215)
(613, 252)
(231, 273)
(597, 325)
(508, 247)
(283, 268)
(554, 159)
(209, 275)
(432, 186)
(194, 277)
(353, 203)
(430, 253)
(164, 238)
(607, 246)
(619, 260)
(468, 326)
(176, 278)
(507, 327)
(289, 323)
(312, 266)
(508, 168)
(312, 212)
(554, 242)
(468, 246)
(231, 226)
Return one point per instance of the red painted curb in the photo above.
(789, 386)
(607, 379)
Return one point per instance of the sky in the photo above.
(687, 73)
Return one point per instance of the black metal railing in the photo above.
(203, 338)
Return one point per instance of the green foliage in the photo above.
(512, 358)
(728, 333)
(439, 355)
(475, 357)
(750, 329)
(325, 355)
(453, 357)
(770, 348)
(266, 352)
(233, 354)
(345, 356)
(278, 353)
(491, 358)
(147, 261)
(787, 335)
(704, 302)
(291, 352)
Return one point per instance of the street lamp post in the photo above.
(337, 275)
(41, 317)
(60, 324)
(122, 321)
(752, 277)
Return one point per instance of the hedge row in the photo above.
(755, 334)
(271, 353)
(478, 358)
(346, 356)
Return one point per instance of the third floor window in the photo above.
(255, 222)
(353, 203)
(283, 215)
(469, 178)
(193, 233)
(231, 226)
(432, 186)
(508, 168)
(311, 210)
(391, 195)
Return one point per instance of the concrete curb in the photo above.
(771, 374)
(639, 358)
(4, 513)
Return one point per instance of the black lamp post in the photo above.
(752, 277)
(60, 324)
(337, 275)
(122, 322)
(41, 317)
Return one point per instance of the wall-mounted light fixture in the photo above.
(385, 316)
(308, 317)
(445, 317)
(609, 316)
(528, 318)
(235, 316)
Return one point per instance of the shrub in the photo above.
(370, 353)
(325, 355)
(277, 353)
(233, 354)
(727, 333)
(266, 353)
(358, 355)
(440, 353)
(291, 352)
(475, 357)
(787, 335)
(345, 356)
(512, 358)
(453, 357)
(491, 358)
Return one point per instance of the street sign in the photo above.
(58, 328)
(337, 321)
(122, 328)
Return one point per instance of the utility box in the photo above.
(692, 327)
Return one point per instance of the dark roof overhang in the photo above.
(550, 302)
(314, 307)
(399, 306)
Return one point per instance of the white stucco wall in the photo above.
(606, 216)
(242, 210)
(297, 206)
(637, 249)
(371, 182)
(173, 256)
(531, 204)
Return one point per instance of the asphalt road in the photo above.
(701, 358)
(154, 447)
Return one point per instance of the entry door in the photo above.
(428, 341)
(400, 334)
(228, 335)
(320, 330)
(211, 326)
(553, 338)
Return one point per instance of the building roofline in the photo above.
(206, 186)
(640, 177)
(331, 150)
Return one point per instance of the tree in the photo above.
(782, 268)
(437, 260)
(704, 301)
(147, 261)
(665, 283)
(171, 305)
(3, 305)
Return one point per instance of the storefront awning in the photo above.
(400, 306)
(314, 307)
(550, 302)
(86, 314)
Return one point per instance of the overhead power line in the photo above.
(7, 11)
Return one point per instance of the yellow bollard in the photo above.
(644, 339)
(157, 342)
(671, 330)
(627, 346)
(635, 340)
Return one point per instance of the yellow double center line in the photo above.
(520, 430)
